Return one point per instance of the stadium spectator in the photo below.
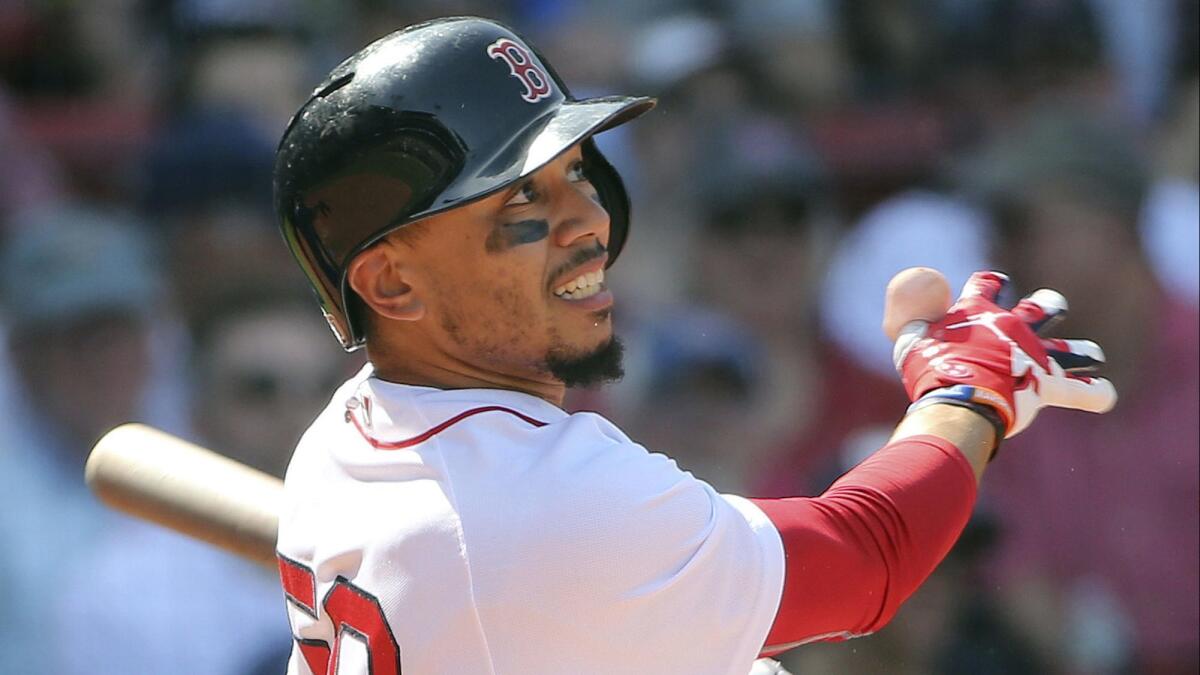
(78, 294)
(261, 367)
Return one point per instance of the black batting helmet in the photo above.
(426, 119)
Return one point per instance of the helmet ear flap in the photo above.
(613, 196)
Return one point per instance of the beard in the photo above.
(599, 366)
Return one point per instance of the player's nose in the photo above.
(581, 217)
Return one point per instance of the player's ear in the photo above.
(384, 281)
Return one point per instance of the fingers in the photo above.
(986, 284)
(1077, 357)
(1090, 394)
(1041, 309)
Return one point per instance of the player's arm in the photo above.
(967, 431)
(855, 553)
(860, 549)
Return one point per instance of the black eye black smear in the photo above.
(508, 235)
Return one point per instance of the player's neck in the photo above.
(449, 373)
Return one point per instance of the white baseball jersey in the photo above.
(488, 531)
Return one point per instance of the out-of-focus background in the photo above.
(802, 152)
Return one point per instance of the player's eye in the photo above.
(526, 194)
(576, 173)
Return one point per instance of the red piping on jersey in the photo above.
(426, 435)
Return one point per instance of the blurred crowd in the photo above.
(802, 152)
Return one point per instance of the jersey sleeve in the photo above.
(855, 553)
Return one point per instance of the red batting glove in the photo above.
(981, 354)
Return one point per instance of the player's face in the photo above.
(515, 281)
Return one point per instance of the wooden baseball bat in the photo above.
(158, 477)
(155, 476)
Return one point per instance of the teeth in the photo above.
(585, 292)
(582, 286)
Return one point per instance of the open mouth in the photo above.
(583, 286)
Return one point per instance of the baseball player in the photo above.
(442, 192)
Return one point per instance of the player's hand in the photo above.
(983, 354)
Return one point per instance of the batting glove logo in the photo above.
(522, 66)
(952, 369)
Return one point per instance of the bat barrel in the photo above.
(158, 477)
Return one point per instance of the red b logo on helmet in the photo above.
(520, 63)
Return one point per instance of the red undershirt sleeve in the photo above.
(855, 553)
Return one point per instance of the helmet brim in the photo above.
(570, 123)
(575, 121)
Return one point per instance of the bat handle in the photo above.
(157, 477)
